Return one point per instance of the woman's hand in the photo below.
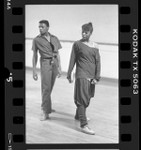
(94, 81)
(69, 79)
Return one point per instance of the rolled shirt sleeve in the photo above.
(59, 44)
(34, 45)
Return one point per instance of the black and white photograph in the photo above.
(72, 74)
(73, 149)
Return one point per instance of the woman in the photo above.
(85, 54)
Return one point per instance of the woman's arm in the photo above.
(98, 66)
(72, 62)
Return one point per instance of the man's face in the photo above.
(43, 28)
(86, 34)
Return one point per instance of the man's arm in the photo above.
(34, 58)
(34, 63)
(59, 65)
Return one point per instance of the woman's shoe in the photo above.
(88, 119)
(87, 130)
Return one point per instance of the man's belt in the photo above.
(50, 57)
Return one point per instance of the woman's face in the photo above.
(86, 35)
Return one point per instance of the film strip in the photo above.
(15, 88)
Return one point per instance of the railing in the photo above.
(108, 53)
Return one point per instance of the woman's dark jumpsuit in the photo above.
(87, 60)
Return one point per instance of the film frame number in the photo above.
(8, 4)
(10, 79)
(9, 141)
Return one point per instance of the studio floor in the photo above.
(61, 127)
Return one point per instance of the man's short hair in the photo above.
(45, 22)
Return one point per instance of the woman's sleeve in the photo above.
(72, 59)
(98, 66)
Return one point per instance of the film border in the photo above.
(15, 85)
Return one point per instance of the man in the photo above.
(48, 46)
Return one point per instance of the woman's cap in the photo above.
(87, 27)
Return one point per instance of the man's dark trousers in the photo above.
(49, 72)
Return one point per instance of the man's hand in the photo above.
(35, 76)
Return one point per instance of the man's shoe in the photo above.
(44, 117)
(53, 110)
(87, 130)
(76, 118)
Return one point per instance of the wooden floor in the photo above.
(62, 128)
